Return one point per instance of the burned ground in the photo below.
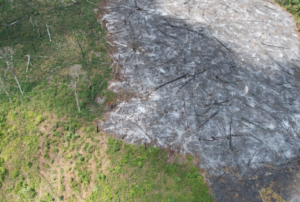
(216, 79)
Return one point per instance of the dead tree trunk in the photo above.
(39, 32)
(12, 71)
(76, 96)
(7, 56)
(80, 48)
(48, 32)
(11, 68)
(28, 61)
(3, 87)
(77, 75)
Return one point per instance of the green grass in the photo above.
(34, 160)
(76, 38)
(143, 174)
(292, 6)
(48, 149)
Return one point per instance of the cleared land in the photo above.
(216, 79)
(54, 73)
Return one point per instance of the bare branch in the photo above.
(37, 28)
(7, 55)
(28, 56)
(48, 32)
(3, 87)
(76, 74)
(80, 48)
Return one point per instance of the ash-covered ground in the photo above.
(216, 79)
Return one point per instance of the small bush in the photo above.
(91, 149)
(55, 150)
(81, 158)
(39, 120)
(3, 173)
(86, 146)
(114, 145)
(28, 191)
(46, 156)
(15, 174)
(57, 133)
(101, 176)
(29, 164)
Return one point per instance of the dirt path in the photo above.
(217, 79)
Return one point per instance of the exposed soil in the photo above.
(58, 174)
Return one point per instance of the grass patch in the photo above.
(53, 68)
(35, 160)
(292, 6)
(143, 174)
(43, 67)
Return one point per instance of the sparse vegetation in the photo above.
(49, 148)
(293, 6)
(143, 174)
(98, 166)
(43, 71)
